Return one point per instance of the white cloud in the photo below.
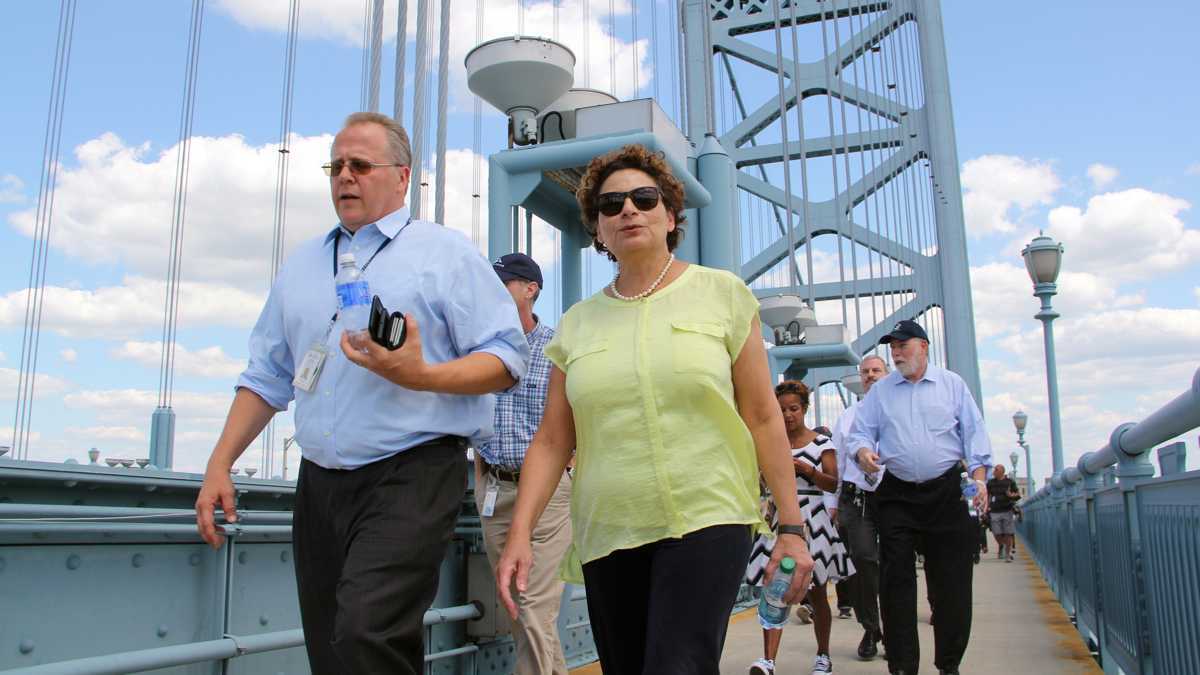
(207, 362)
(1193, 169)
(1132, 234)
(68, 355)
(1195, 290)
(120, 407)
(43, 385)
(103, 433)
(115, 206)
(1102, 175)
(129, 310)
(994, 184)
(12, 189)
(1003, 301)
(342, 21)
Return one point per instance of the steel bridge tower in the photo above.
(855, 94)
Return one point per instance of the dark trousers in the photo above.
(934, 513)
(663, 608)
(862, 539)
(368, 545)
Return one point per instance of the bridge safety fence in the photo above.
(1120, 546)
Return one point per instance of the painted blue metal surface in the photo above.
(1124, 558)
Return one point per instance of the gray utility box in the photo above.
(481, 589)
(642, 114)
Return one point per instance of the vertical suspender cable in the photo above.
(520, 17)
(838, 215)
(677, 54)
(612, 48)
(585, 25)
(637, 84)
(808, 247)
(30, 338)
(653, 37)
(401, 47)
(860, 52)
(439, 208)
(420, 107)
(554, 3)
(171, 315)
(477, 141)
(793, 282)
(901, 100)
(366, 37)
(849, 208)
(888, 210)
(376, 55)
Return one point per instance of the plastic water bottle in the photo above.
(772, 610)
(968, 486)
(354, 301)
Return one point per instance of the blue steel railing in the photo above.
(1120, 548)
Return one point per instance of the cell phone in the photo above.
(386, 329)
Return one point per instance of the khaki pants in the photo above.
(535, 631)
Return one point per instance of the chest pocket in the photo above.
(588, 373)
(699, 347)
(939, 418)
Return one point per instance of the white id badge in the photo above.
(489, 498)
(310, 367)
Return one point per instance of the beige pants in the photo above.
(535, 631)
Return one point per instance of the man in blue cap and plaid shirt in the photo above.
(498, 470)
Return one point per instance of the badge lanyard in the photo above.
(314, 359)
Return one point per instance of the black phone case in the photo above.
(387, 330)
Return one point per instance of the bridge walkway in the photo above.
(1019, 628)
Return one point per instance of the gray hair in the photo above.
(882, 362)
(397, 136)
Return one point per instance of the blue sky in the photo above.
(1070, 116)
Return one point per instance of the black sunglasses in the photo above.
(644, 198)
(358, 167)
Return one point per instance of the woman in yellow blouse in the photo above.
(661, 386)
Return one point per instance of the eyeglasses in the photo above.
(644, 198)
(358, 167)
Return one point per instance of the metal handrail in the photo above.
(1131, 441)
(228, 647)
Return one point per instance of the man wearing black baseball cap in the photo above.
(922, 422)
(498, 469)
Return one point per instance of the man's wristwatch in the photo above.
(797, 530)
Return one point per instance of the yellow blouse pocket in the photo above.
(594, 347)
(699, 347)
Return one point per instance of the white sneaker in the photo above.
(822, 665)
(762, 667)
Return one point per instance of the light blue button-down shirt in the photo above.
(353, 417)
(921, 430)
(847, 465)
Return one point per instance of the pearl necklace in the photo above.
(661, 275)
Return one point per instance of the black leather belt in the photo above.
(502, 473)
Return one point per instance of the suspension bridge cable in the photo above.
(793, 282)
(654, 47)
(677, 66)
(808, 241)
(366, 36)
(420, 107)
(637, 84)
(587, 52)
(179, 210)
(555, 4)
(885, 189)
(401, 48)
(859, 50)
(439, 208)
(376, 55)
(901, 88)
(848, 210)
(612, 47)
(838, 216)
(477, 140)
(34, 294)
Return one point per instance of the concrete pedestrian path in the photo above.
(1018, 628)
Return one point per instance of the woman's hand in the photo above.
(515, 563)
(796, 548)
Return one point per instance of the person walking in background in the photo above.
(498, 468)
(815, 462)
(661, 386)
(1002, 496)
(383, 433)
(855, 514)
(923, 424)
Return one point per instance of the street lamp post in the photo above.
(1043, 259)
(1012, 461)
(286, 442)
(1020, 419)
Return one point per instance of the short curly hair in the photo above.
(794, 387)
(634, 156)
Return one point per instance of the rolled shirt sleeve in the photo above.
(271, 366)
(864, 433)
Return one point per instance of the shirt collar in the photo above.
(932, 373)
(389, 226)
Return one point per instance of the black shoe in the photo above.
(867, 649)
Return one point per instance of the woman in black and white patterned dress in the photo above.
(815, 461)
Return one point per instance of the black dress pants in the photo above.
(862, 538)
(935, 514)
(663, 608)
(368, 545)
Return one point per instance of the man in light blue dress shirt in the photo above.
(922, 423)
(383, 433)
